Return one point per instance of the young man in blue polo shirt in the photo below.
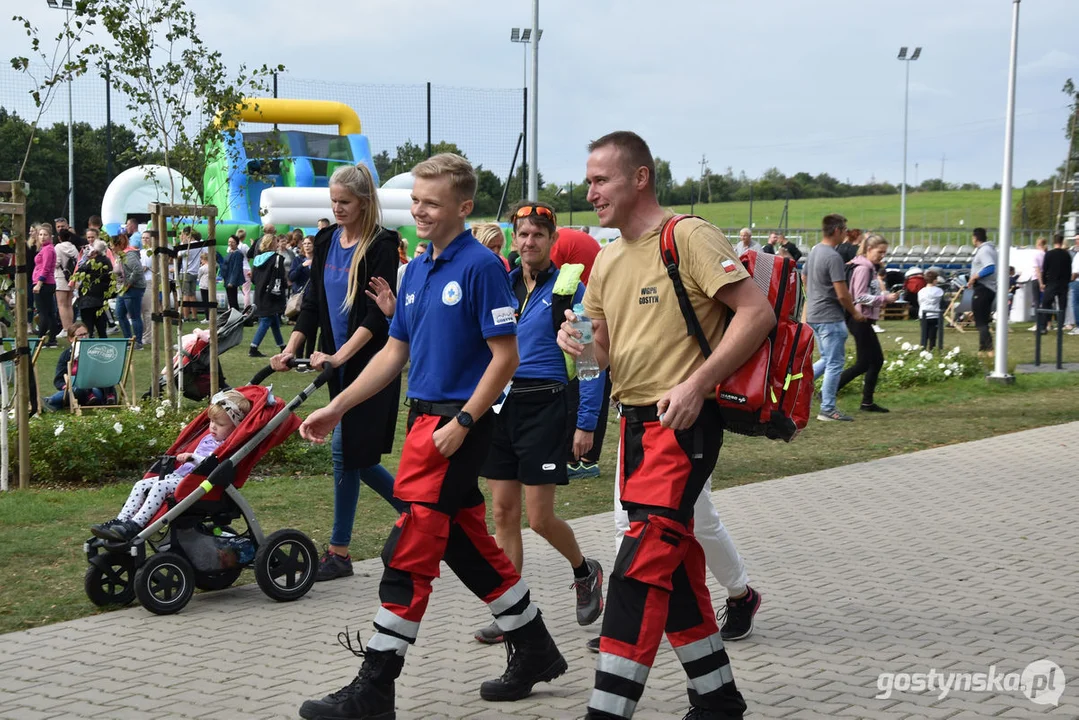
(456, 322)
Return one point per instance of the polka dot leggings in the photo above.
(147, 497)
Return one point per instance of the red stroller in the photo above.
(193, 542)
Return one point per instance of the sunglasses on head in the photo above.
(526, 211)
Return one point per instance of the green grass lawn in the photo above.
(924, 210)
(42, 530)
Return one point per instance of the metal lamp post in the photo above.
(525, 37)
(1000, 372)
(67, 6)
(906, 113)
(562, 191)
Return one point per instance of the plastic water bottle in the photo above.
(587, 367)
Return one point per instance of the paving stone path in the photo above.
(956, 560)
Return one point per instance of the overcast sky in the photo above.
(809, 85)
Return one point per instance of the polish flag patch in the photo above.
(728, 265)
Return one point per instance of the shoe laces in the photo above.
(514, 660)
(361, 679)
(583, 587)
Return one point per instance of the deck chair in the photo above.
(35, 345)
(99, 363)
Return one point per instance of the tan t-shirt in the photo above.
(629, 288)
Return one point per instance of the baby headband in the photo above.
(230, 407)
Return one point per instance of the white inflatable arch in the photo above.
(132, 191)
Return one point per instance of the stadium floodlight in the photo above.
(67, 6)
(906, 105)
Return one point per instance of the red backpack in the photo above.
(770, 394)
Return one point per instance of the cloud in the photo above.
(1052, 62)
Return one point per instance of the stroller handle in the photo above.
(267, 371)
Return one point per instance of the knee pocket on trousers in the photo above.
(417, 542)
(649, 554)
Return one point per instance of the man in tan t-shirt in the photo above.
(671, 426)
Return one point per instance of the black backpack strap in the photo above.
(668, 251)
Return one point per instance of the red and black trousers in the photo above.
(446, 520)
(658, 581)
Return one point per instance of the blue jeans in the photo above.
(831, 339)
(129, 305)
(1073, 288)
(271, 322)
(59, 400)
(346, 491)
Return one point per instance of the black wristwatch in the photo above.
(464, 419)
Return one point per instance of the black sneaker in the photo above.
(589, 594)
(532, 657)
(120, 530)
(699, 713)
(490, 635)
(254, 352)
(738, 616)
(593, 644)
(102, 530)
(369, 697)
(332, 566)
(873, 407)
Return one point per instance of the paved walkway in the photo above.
(954, 559)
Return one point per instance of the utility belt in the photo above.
(536, 388)
(442, 409)
(636, 414)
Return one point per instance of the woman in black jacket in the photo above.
(351, 330)
(94, 278)
(232, 273)
(268, 277)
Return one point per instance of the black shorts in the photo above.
(529, 443)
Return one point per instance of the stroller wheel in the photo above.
(110, 580)
(165, 583)
(217, 580)
(285, 565)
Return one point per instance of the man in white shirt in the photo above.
(745, 242)
(1073, 290)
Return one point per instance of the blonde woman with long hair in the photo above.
(347, 256)
(869, 297)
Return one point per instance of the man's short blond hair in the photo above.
(462, 176)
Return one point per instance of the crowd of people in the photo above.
(506, 404)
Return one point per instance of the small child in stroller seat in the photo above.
(226, 411)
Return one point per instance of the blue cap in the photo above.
(135, 243)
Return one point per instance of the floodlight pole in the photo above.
(906, 114)
(533, 168)
(70, 116)
(1000, 360)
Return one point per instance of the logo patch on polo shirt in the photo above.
(503, 315)
(451, 294)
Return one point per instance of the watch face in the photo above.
(464, 418)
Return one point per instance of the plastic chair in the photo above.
(99, 363)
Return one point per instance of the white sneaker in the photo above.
(1074, 331)
(1032, 328)
(62, 334)
(878, 328)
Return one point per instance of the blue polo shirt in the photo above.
(447, 308)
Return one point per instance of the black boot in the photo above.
(369, 697)
(532, 657)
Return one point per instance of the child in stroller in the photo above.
(226, 411)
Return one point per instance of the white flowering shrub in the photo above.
(105, 445)
(102, 445)
(909, 366)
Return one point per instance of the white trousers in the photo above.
(720, 554)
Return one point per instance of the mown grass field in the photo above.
(42, 530)
(924, 210)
